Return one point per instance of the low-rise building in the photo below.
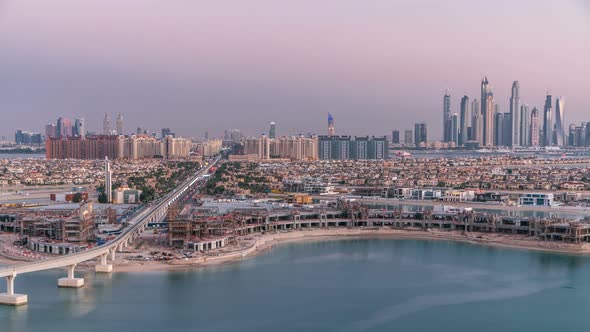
(459, 195)
(126, 195)
(491, 197)
(69, 197)
(426, 194)
(536, 199)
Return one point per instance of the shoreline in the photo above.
(263, 243)
(266, 242)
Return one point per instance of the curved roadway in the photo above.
(136, 224)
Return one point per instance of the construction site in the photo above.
(198, 226)
(58, 230)
(201, 228)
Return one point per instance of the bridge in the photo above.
(150, 213)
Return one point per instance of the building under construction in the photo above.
(204, 229)
(66, 225)
(199, 229)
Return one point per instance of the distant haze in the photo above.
(209, 65)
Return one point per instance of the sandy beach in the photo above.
(259, 243)
(265, 242)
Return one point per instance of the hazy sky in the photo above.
(209, 65)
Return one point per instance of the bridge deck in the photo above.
(139, 219)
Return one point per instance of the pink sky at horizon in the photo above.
(210, 65)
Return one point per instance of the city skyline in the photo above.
(155, 156)
(229, 76)
(468, 124)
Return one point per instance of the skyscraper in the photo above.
(499, 129)
(119, 124)
(395, 137)
(447, 117)
(272, 133)
(80, 127)
(264, 148)
(488, 121)
(476, 123)
(408, 137)
(59, 127)
(534, 132)
(507, 130)
(166, 132)
(67, 128)
(559, 122)
(525, 125)
(582, 135)
(106, 124)
(571, 137)
(548, 122)
(515, 114)
(465, 121)
(50, 130)
(108, 181)
(233, 135)
(420, 134)
(487, 111)
(331, 129)
(63, 128)
(455, 128)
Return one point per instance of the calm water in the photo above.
(352, 285)
(22, 155)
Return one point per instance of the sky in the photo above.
(196, 66)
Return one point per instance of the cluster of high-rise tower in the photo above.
(480, 122)
(107, 128)
(65, 128)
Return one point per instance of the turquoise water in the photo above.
(350, 285)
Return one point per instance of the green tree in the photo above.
(77, 198)
(102, 197)
(100, 188)
(147, 194)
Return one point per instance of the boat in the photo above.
(403, 154)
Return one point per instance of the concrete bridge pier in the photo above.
(9, 297)
(103, 267)
(70, 281)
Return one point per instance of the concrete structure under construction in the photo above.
(137, 223)
(219, 226)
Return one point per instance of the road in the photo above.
(136, 223)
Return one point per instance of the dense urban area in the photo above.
(485, 181)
